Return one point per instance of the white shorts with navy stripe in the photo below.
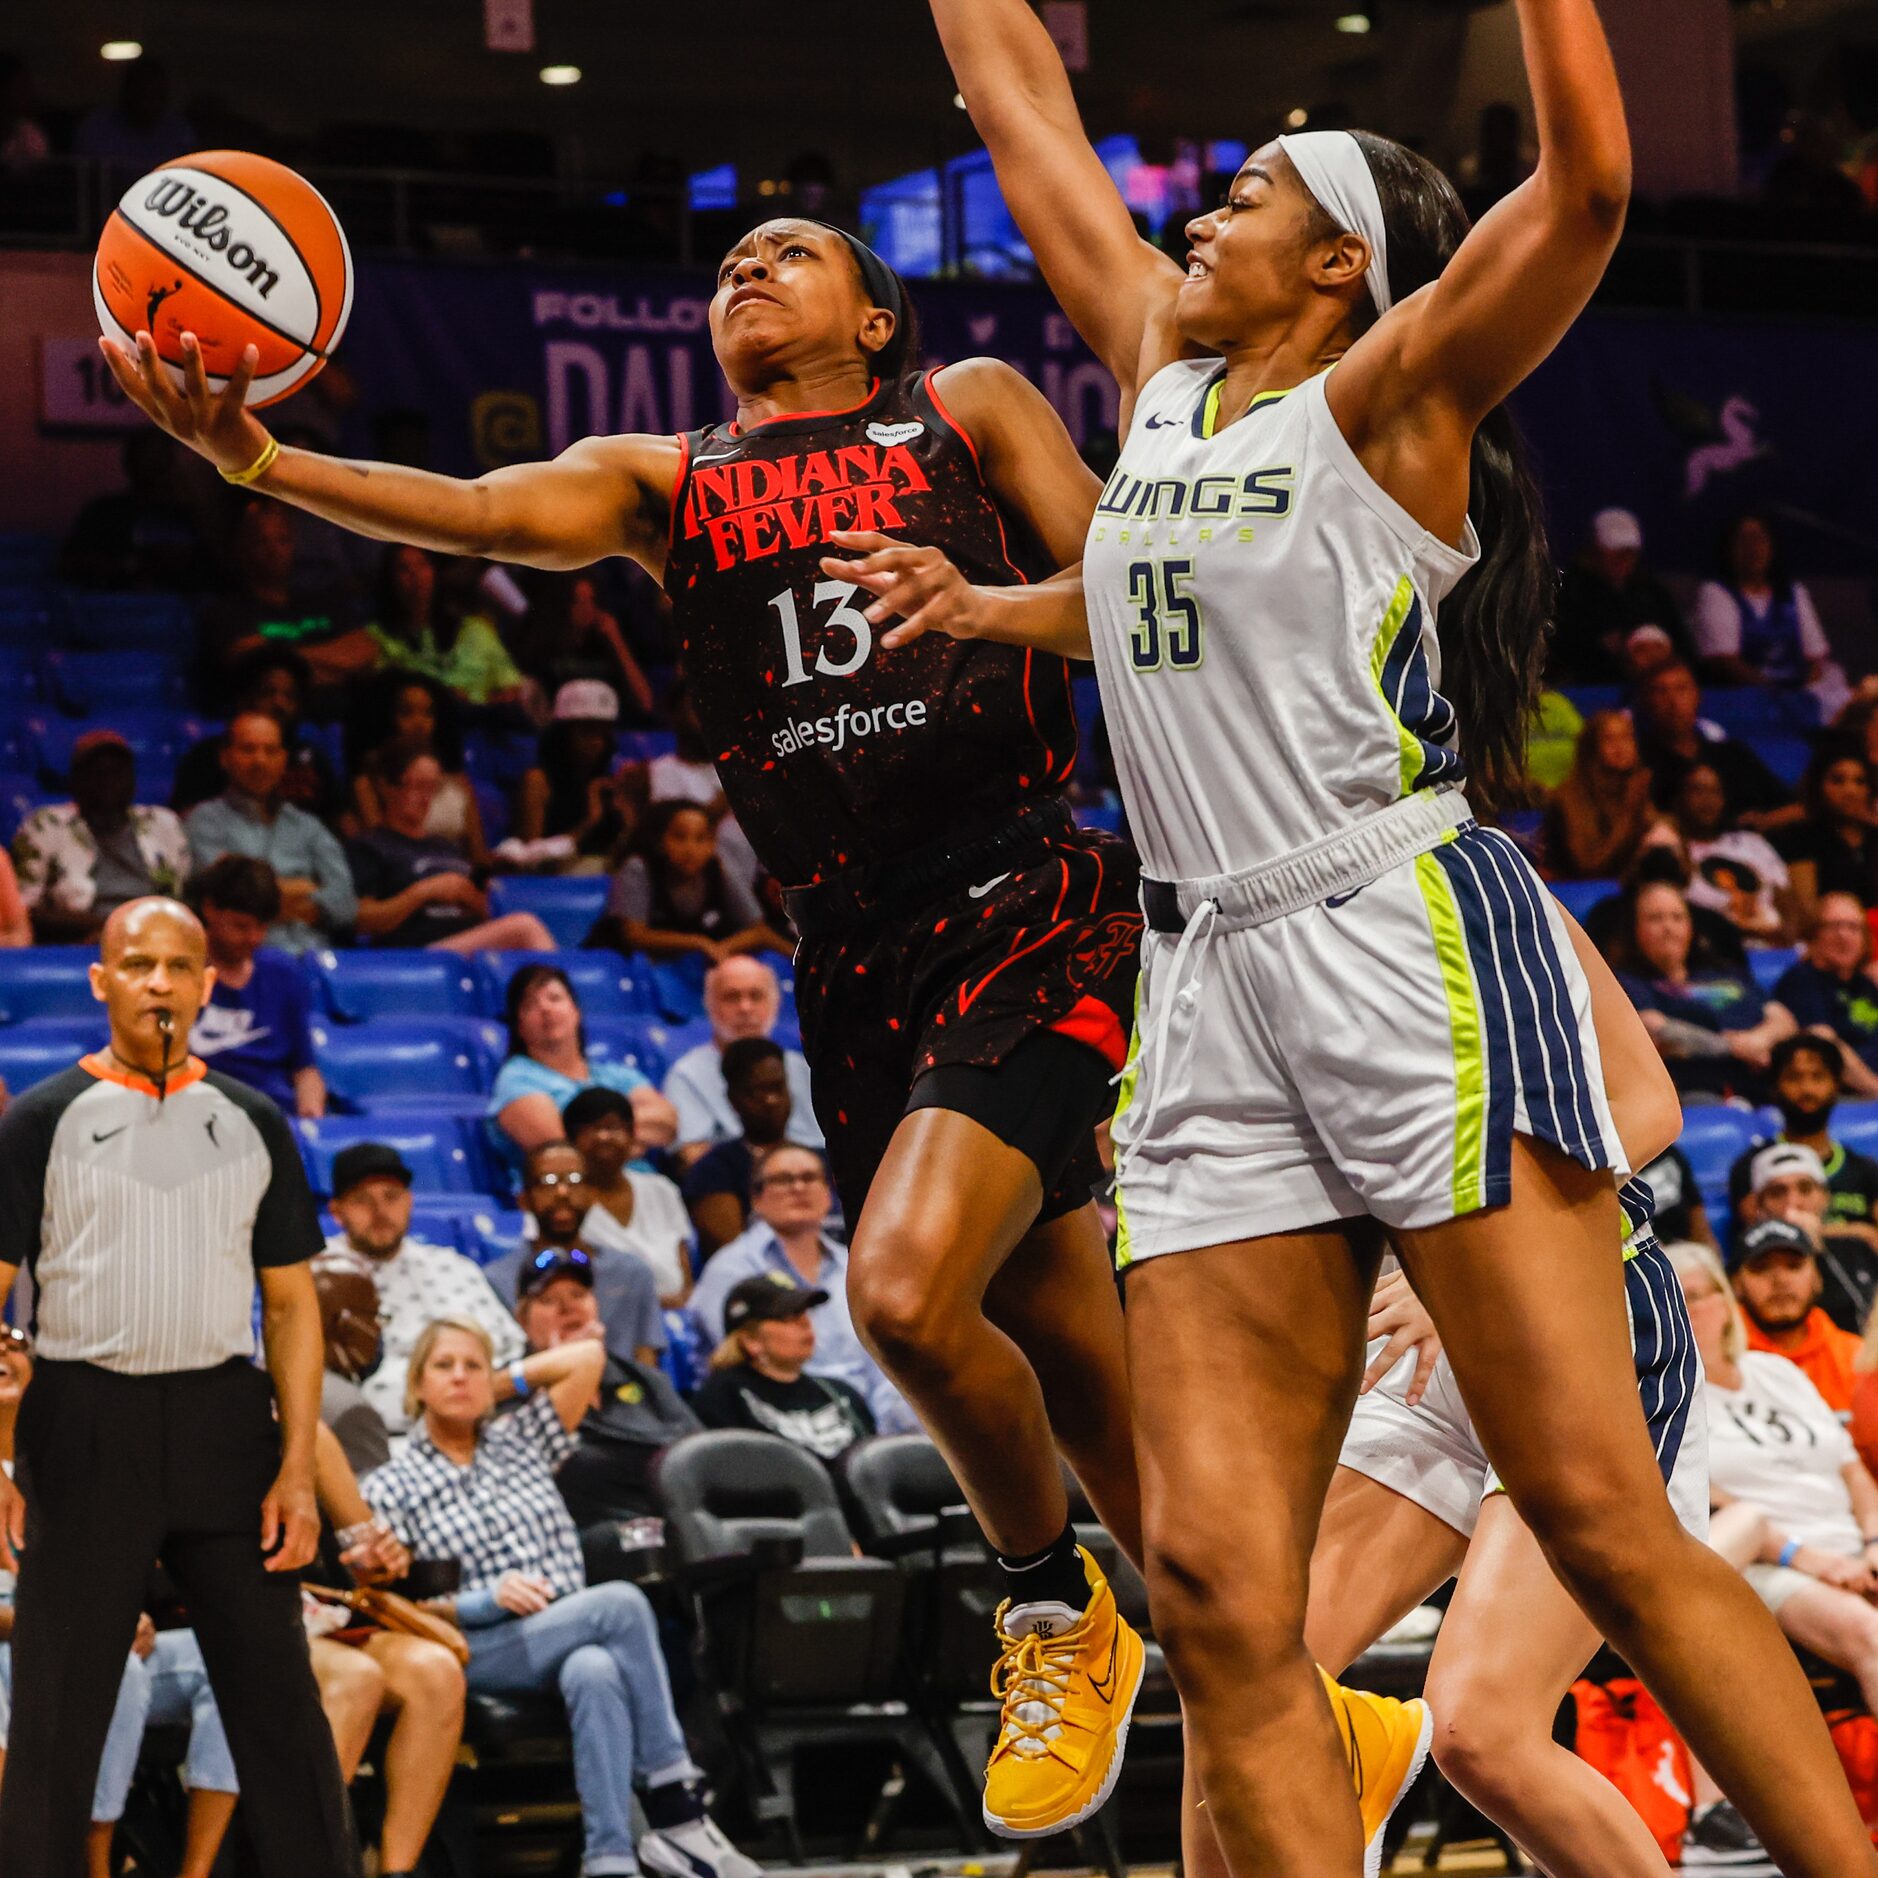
(1430, 1453)
(1374, 1051)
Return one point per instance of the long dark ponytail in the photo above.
(1495, 623)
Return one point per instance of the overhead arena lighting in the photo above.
(560, 74)
(1352, 22)
(120, 51)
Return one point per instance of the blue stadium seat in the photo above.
(607, 984)
(1856, 1124)
(24, 555)
(501, 757)
(369, 983)
(1768, 963)
(1714, 1138)
(123, 622)
(394, 1064)
(90, 684)
(645, 746)
(436, 1148)
(29, 1053)
(679, 987)
(1105, 817)
(46, 981)
(494, 804)
(486, 1234)
(638, 1044)
(1786, 756)
(157, 739)
(1578, 897)
(1753, 712)
(567, 904)
(1589, 698)
(26, 621)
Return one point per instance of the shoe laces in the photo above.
(1031, 1679)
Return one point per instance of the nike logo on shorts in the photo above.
(978, 893)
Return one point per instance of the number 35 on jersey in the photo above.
(1168, 631)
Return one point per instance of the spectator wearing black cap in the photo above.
(257, 1023)
(1806, 1076)
(1774, 1267)
(1787, 1181)
(609, 1474)
(628, 1210)
(79, 861)
(556, 1194)
(759, 1373)
(718, 1184)
(348, 1295)
(417, 1282)
(1832, 991)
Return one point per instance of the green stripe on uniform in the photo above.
(1470, 1058)
(1408, 745)
(1125, 1094)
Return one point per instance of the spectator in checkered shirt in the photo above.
(480, 1489)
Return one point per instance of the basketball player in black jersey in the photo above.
(966, 973)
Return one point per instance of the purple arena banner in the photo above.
(1685, 421)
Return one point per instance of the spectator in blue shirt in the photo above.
(255, 1025)
(548, 1066)
(1833, 991)
(788, 1239)
(1715, 1030)
(252, 817)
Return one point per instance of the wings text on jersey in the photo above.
(764, 505)
(1208, 498)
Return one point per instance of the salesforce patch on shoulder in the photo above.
(840, 728)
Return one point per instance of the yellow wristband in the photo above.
(258, 468)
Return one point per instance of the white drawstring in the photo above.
(1154, 1067)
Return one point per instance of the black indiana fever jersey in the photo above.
(834, 753)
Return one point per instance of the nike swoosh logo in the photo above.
(1342, 899)
(978, 893)
(1104, 1685)
(723, 456)
(109, 1132)
(702, 1867)
(1163, 423)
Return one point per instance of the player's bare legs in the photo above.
(1561, 1420)
(948, 1206)
(1056, 1298)
(1267, 1335)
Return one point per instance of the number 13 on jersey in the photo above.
(1168, 629)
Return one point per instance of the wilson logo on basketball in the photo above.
(759, 507)
(181, 202)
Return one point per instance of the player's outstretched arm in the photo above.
(927, 594)
(601, 496)
(1450, 353)
(1117, 289)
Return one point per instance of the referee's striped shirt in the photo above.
(142, 1222)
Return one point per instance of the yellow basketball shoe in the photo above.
(1387, 1742)
(1068, 1681)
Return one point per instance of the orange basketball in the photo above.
(238, 250)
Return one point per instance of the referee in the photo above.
(145, 1194)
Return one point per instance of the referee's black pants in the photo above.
(117, 1471)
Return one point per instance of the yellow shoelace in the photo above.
(1032, 1674)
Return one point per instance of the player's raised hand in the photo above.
(215, 424)
(921, 585)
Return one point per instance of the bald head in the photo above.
(142, 922)
(152, 977)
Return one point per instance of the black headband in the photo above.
(882, 283)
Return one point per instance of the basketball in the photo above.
(237, 249)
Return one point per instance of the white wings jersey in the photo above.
(1264, 625)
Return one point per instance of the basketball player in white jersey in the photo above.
(1415, 1502)
(1359, 1010)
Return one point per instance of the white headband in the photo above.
(1332, 166)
